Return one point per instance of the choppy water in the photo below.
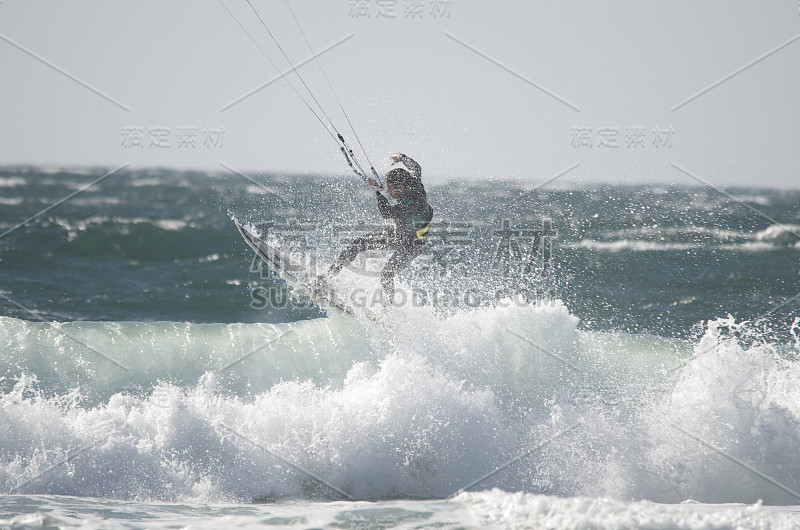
(152, 376)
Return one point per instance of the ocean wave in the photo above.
(54, 170)
(631, 244)
(518, 510)
(672, 231)
(262, 190)
(780, 233)
(774, 237)
(96, 201)
(758, 245)
(485, 509)
(142, 182)
(760, 200)
(157, 180)
(735, 411)
(12, 182)
(121, 225)
(752, 246)
(208, 413)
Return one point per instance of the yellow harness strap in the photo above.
(422, 232)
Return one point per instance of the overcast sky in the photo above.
(617, 91)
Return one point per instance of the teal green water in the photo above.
(152, 374)
(160, 245)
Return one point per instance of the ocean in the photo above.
(575, 356)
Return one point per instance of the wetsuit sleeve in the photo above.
(387, 210)
(413, 168)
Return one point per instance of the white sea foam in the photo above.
(262, 190)
(210, 413)
(671, 238)
(11, 182)
(94, 201)
(752, 246)
(486, 509)
(515, 510)
(122, 224)
(631, 244)
(780, 233)
(689, 230)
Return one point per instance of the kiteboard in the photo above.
(298, 276)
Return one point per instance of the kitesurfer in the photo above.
(412, 216)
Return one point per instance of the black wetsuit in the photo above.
(412, 216)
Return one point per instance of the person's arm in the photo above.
(411, 164)
(387, 210)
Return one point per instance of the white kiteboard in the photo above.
(300, 278)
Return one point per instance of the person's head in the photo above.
(397, 181)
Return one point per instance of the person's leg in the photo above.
(372, 241)
(405, 252)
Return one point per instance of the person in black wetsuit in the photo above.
(412, 217)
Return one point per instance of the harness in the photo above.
(422, 233)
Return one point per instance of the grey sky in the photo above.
(412, 84)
